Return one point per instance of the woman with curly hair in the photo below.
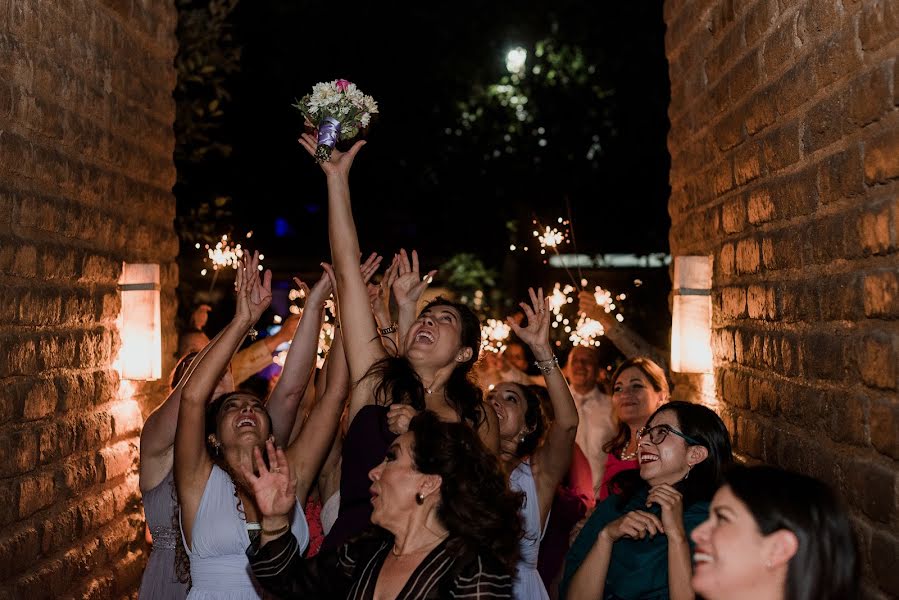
(446, 525)
(537, 457)
(437, 349)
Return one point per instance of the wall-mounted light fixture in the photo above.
(141, 328)
(691, 323)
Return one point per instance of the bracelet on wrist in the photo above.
(276, 532)
(546, 366)
(388, 330)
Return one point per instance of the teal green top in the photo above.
(638, 569)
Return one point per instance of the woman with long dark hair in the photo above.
(636, 544)
(535, 455)
(439, 350)
(214, 444)
(775, 535)
(445, 525)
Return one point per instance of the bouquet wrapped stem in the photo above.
(339, 111)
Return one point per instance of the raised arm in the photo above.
(157, 438)
(379, 297)
(285, 398)
(551, 460)
(408, 288)
(363, 345)
(308, 451)
(192, 463)
(276, 560)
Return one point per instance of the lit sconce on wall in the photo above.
(141, 328)
(691, 324)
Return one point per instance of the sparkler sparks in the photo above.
(225, 253)
(580, 330)
(494, 334)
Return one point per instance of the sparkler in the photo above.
(226, 253)
(584, 331)
(494, 334)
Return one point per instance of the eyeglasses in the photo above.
(658, 433)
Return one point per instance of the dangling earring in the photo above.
(216, 445)
(419, 498)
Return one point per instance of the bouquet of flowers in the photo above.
(339, 110)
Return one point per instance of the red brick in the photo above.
(723, 345)
(878, 24)
(817, 19)
(837, 57)
(118, 460)
(724, 177)
(847, 418)
(36, 491)
(760, 302)
(841, 175)
(759, 112)
(18, 452)
(795, 195)
(40, 400)
(782, 148)
(874, 230)
(726, 259)
(884, 425)
(874, 490)
(870, 96)
(747, 254)
(879, 360)
(780, 46)
(882, 157)
(747, 163)
(824, 123)
(729, 131)
(759, 19)
(882, 294)
(762, 397)
(760, 207)
(19, 548)
(733, 215)
(733, 302)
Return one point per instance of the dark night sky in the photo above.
(412, 185)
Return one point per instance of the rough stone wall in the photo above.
(86, 174)
(785, 168)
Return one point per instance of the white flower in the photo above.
(364, 120)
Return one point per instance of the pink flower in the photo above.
(342, 85)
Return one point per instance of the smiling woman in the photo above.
(775, 535)
(636, 544)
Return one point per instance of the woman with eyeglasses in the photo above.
(636, 544)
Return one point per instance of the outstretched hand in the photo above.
(409, 286)
(536, 333)
(274, 488)
(319, 293)
(254, 294)
(340, 162)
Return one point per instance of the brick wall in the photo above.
(85, 183)
(785, 168)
